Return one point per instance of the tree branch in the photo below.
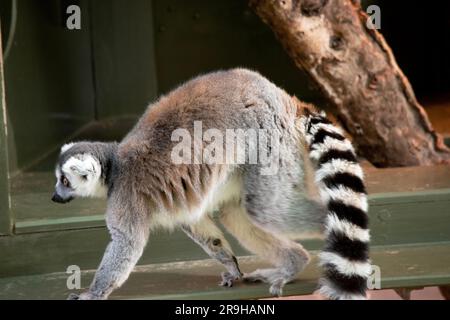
(356, 70)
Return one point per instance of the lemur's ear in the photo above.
(66, 147)
(85, 167)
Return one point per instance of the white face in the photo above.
(79, 176)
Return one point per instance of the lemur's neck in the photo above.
(107, 156)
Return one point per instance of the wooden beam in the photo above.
(396, 219)
(400, 266)
(6, 223)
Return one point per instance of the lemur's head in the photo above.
(78, 173)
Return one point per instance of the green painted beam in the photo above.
(395, 218)
(400, 266)
(55, 236)
(6, 222)
(35, 212)
(421, 217)
(49, 252)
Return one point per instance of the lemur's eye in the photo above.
(65, 181)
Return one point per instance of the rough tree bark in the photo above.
(357, 72)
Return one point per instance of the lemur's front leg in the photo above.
(206, 234)
(129, 233)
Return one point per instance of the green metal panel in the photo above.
(5, 212)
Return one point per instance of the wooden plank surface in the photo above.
(400, 266)
(408, 179)
(408, 218)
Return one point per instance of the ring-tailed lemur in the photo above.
(145, 188)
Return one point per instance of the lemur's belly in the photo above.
(230, 190)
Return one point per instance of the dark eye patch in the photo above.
(65, 181)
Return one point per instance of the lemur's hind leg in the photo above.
(207, 235)
(288, 257)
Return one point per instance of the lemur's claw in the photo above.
(276, 289)
(226, 283)
(228, 279)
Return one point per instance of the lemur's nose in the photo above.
(57, 198)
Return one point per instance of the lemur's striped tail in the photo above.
(345, 258)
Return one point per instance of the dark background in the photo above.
(93, 83)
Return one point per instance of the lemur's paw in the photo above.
(83, 296)
(73, 296)
(228, 279)
(276, 289)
